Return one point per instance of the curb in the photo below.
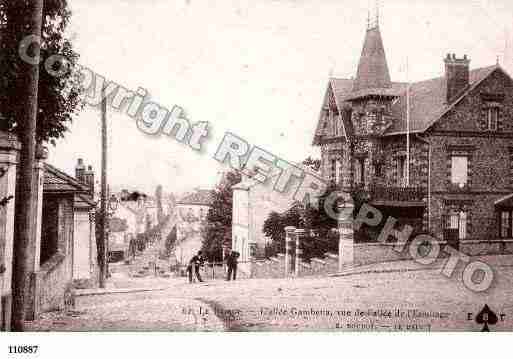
(88, 292)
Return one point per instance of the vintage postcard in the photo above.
(256, 166)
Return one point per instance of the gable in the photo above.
(471, 111)
(336, 93)
(56, 181)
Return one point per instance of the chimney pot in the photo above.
(457, 76)
(80, 170)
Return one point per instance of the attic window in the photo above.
(492, 116)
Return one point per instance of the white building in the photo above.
(124, 225)
(85, 260)
(191, 212)
(253, 201)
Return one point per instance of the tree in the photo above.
(320, 237)
(170, 240)
(273, 227)
(217, 229)
(58, 96)
(158, 199)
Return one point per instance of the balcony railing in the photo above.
(397, 194)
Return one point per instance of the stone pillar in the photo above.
(289, 237)
(346, 230)
(9, 147)
(300, 234)
(39, 172)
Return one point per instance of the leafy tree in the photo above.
(320, 237)
(275, 230)
(171, 200)
(132, 196)
(171, 240)
(58, 96)
(158, 198)
(217, 229)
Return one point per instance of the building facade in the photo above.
(436, 154)
(253, 202)
(85, 257)
(191, 212)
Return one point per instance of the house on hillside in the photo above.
(455, 179)
(123, 228)
(191, 211)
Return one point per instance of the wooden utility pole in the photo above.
(102, 248)
(28, 79)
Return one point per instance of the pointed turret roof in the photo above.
(373, 68)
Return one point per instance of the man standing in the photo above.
(231, 262)
(194, 264)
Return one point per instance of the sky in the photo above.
(258, 69)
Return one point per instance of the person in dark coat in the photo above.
(231, 262)
(194, 265)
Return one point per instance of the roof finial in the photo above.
(497, 59)
(368, 19)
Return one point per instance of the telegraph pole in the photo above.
(28, 79)
(103, 201)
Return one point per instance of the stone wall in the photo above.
(55, 275)
(53, 279)
(370, 253)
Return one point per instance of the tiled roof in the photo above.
(428, 101)
(200, 197)
(84, 202)
(56, 181)
(372, 70)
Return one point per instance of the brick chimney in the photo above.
(80, 171)
(457, 75)
(89, 178)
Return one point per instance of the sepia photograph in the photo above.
(176, 166)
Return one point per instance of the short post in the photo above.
(346, 231)
(289, 234)
(300, 234)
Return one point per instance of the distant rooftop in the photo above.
(200, 197)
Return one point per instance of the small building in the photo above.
(191, 212)
(56, 243)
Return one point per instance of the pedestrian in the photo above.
(194, 265)
(231, 262)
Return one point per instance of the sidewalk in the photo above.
(412, 266)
